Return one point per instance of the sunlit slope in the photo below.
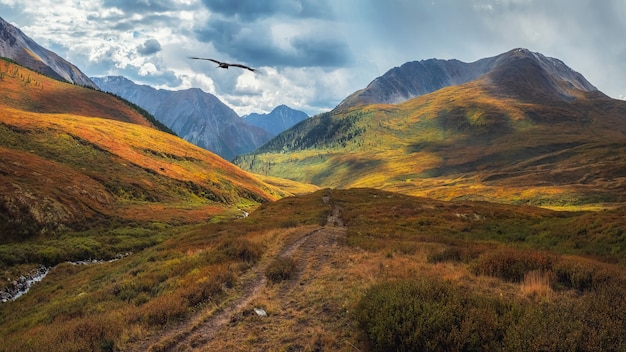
(78, 159)
(27, 90)
(470, 141)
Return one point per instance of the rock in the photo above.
(260, 312)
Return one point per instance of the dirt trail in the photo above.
(195, 333)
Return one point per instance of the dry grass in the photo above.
(536, 285)
(198, 289)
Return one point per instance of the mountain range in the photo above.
(523, 128)
(279, 119)
(15, 45)
(196, 116)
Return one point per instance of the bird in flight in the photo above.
(223, 64)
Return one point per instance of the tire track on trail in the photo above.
(198, 331)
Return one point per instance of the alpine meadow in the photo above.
(447, 206)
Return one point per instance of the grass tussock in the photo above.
(536, 284)
(280, 269)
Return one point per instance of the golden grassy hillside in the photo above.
(72, 155)
(463, 142)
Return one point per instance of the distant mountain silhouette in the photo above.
(279, 119)
(194, 115)
(15, 45)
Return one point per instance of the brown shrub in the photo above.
(282, 268)
(512, 264)
(164, 309)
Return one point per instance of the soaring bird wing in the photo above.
(243, 66)
(203, 58)
(223, 63)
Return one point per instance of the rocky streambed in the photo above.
(21, 285)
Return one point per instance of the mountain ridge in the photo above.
(279, 119)
(196, 116)
(15, 45)
(416, 78)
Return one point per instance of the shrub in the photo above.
(512, 264)
(463, 254)
(164, 309)
(423, 315)
(282, 268)
(239, 249)
(207, 288)
(583, 275)
(95, 333)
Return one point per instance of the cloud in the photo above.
(287, 33)
(264, 45)
(253, 10)
(314, 53)
(149, 47)
(143, 6)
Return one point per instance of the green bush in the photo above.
(423, 315)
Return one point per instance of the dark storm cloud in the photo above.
(257, 47)
(247, 30)
(251, 10)
(149, 47)
(142, 6)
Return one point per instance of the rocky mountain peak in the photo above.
(15, 45)
(417, 78)
(525, 73)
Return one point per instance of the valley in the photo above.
(484, 210)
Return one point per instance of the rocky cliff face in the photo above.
(278, 120)
(417, 78)
(15, 45)
(194, 115)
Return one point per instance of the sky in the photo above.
(311, 54)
